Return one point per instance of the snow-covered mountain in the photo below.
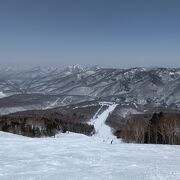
(137, 87)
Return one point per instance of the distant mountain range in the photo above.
(43, 88)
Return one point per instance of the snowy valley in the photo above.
(138, 88)
(73, 124)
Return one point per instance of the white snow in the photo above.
(125, 112)
(84, 106)
(68, 73)
(64, 100)
(52, 104)
(90, 72)
(2, 95)
(79, 157)
(81, 91)
(8, 110)
(102, 130)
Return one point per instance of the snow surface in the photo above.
(79, 157)
(102, 130)
(52, 104)
(75, 156)
(125, 112)
(8, 110)
(2, 95)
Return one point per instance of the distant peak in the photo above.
(80, 68)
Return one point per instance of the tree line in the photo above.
(42, 126)
(161, 128)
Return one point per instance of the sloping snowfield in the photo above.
(102, 130)
(78, 157)
(2, 95)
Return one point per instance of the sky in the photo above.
(107, 33)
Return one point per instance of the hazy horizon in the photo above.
(62, 67)
(114, 34)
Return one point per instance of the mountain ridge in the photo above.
(153, 87)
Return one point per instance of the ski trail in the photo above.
(53, 104)
(95, 116)
(102, 130)
(63, 100)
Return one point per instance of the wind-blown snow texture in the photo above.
(75, 157)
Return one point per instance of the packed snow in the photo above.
(79, 157)
(102, 130)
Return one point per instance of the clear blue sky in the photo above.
(109, 33)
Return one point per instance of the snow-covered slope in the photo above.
(2, 95)
(75, 157)
(102, 130)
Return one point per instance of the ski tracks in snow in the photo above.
(102, 130)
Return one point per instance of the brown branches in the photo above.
(159, 129)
